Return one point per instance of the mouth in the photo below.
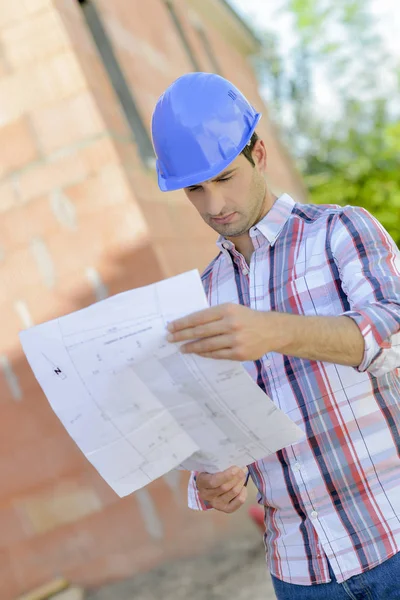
(223, 220)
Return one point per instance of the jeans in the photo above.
(380, 583)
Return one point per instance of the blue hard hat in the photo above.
(200, 124)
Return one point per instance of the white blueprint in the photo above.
(135, 405)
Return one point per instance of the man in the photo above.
(308, 298)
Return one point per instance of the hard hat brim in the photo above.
(177, 183)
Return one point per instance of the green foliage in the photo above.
(354, 156)
(359, 164)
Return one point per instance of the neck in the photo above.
(243, 243)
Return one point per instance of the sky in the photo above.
(270, 14)
(386, 12)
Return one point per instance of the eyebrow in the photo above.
(224, 174)
(220, 176)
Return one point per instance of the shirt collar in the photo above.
(270, 226)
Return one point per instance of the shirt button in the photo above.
(314, 514)
(225, 245)
(267, 363)
(245, 271)
(297, 466)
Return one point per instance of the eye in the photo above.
(224, 179)
(195, 189)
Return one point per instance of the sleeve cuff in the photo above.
(194, 500)
(372, 348)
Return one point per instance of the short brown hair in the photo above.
(248, 150)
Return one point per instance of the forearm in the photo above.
(328, 339)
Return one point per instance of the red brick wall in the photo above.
(79, 218)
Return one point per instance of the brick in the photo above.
(98, 154)
(157, 45)
(44, 261)
(45, 304)
(18, 271)
(13, 11)
(176, 257)
(143, 181)
(108, 188)
(61, 170)
(34, 39)
(13, 529)
(10, 324)
(21, 424)
(75, 25)
(109, 108)
(30, 390)
(26, 473)
(33, 88)
(128, 154)
(18, 146)
(103, 236)
(63, 210)
(4, 66)
(9, 378)
(89, 245)
(23, 313)
(72, 548)
(39, 218)
(114, 517)
(158, 219)
(39, 559)
(27, 468)
(57, 78)
(187, 222)
(16, 94)
(67, 122)
(108, 231)
(58, 506)
(73, 290)
(8, 195)
(20, 224)
(123, 229)
(138, 267)
(38, 421)
(9, 582)
(98, 287)
(203, 252)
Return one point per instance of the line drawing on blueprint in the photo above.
(135, 405)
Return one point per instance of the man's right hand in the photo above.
(224, 491)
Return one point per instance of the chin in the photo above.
(235, 230)
(230, 229)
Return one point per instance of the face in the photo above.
(237, 198)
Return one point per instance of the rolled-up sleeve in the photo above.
(194, 500)
(369, 265)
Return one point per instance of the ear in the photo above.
(260, 156)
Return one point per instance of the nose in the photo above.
(214, 203)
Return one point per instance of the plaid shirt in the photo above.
(335, 495)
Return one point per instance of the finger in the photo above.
(239, 500)
(233, 493)
(222, 354)
(216, 480)
(198, 332)
(198, 318)
(212, 344)
(209, 485)
(236, 503)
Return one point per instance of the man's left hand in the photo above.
(226, 331)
